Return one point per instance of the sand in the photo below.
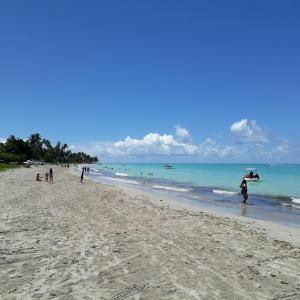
(93, 241)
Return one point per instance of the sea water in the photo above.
(276, 197)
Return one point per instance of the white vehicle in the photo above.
(251, 174)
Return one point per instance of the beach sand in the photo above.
(93, 241)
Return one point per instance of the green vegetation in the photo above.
(37, 148)
(4, 167)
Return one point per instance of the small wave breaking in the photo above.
(121, 180)
(228, 193)
(122, 174)
(171, 188)
(295, 200)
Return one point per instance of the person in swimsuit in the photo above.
(38, 177)
(51, 176)
(46, 177)
(81, 177)
(244, 191)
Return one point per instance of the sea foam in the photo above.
(121, 174)
(220, 192)
(295, 200)
(121, 180)
(171, 188)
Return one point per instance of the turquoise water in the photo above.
(276, 180)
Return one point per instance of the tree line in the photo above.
(38, 148)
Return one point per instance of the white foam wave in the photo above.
(296, 200)
(295, 206)
(220, 192)
(291, 205)
(95, 173)
(122, 174)
(171, 188)
(121, 180)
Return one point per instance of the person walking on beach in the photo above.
(51, 176)
(81, 177)
(244, 191)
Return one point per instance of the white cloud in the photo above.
(2, 140)
(287, 148)
(182, 133)
(247, 131)
(284, 147)
(155, 144)
(210, 148)
(254, 146)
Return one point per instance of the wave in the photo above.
(95, 173)
(295, 206)
(121, 180)
(291, 205)
(220, 192)
(295, 200)
(171, 188)
(122, 174)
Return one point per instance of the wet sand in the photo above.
(93, 241)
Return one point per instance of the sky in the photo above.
(177, 81)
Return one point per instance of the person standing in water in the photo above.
(51, 176)
(81, 177)
(244, 191)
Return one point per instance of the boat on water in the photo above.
(251, 174)
(168, 166)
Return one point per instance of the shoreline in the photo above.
(269, 210)
(69, 240)
(275, 230)
(131, 171)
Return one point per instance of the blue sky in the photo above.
(91, 73)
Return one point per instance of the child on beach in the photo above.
(244, 191)
(38, 177)
(46, 177)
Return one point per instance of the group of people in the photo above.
(65, 165)
(48, 176)
(252, 175)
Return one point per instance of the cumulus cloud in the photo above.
(210, 148)
(155, 144)
(253, 145)
(2, 140)
(287, 148)
(247, 131)
(182, 133)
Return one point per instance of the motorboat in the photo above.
(168, 166)
(251, 174)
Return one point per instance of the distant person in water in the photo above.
(51, 176)
(88, 170)
(46, 177)
(81, 177)
(244, 191)
(38, 177)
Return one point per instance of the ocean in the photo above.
(276, 197)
